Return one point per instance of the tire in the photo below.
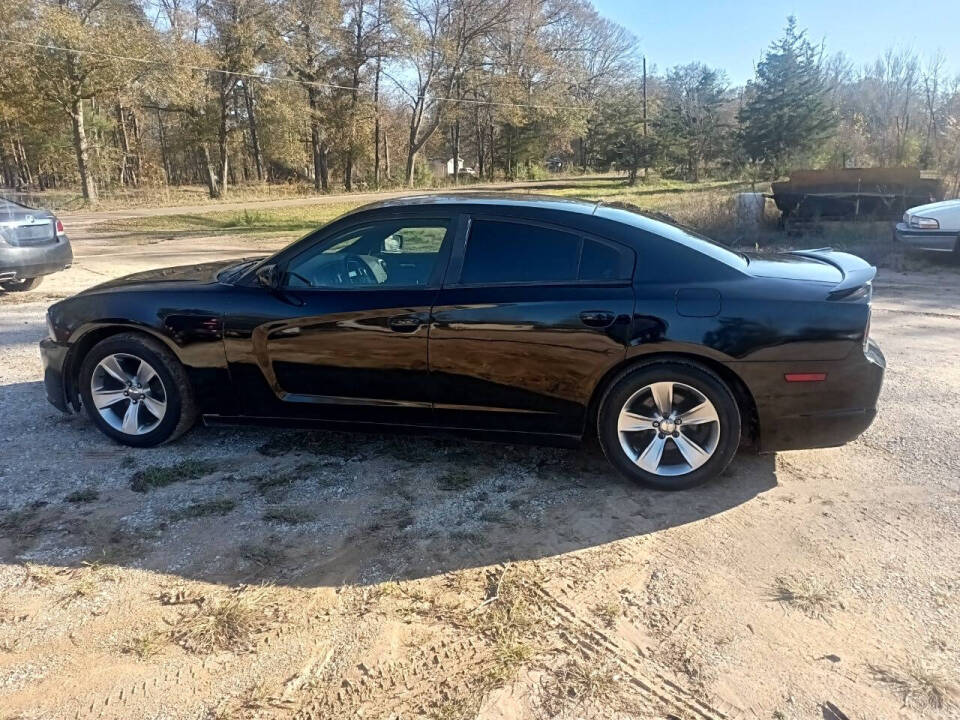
(22, 285)
(714, 429)
(168, 385)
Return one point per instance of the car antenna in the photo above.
(596, 207)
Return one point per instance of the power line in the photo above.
(270, 78)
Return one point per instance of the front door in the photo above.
(525, 329)
(345, 336)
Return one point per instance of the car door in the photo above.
(529, 320)
(344, 336)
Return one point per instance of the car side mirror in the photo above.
(269, 277)
(393, 243)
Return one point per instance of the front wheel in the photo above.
(136, 391)
(670, 425)
(21, 284)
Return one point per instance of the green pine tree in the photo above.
(787, 110)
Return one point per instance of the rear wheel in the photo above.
(670, 425)
(21, 284)
(136, 391)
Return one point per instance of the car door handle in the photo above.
(404, 323)
(597, 318)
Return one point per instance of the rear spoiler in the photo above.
(856, 271)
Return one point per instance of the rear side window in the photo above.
(508, 252)
(505, 252)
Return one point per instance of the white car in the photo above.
(932, 227)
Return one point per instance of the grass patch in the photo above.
(270, 481)
(205, 508)
(287, 514)
(608, 612)
(145, 646)
(86, 495)
(807, 594)
(579, 685)
(920, 685)
(157, 476)
(268, 221)
(225, 622)
(456, 479)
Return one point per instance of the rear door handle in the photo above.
(404, 323)
(597, 318)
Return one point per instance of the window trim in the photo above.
(455, 269)
(325, 235)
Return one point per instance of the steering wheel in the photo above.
(358, 271)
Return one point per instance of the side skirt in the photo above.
(500, 436)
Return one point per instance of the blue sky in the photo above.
(733, 35)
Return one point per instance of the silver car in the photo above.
(32, 244)
(932, 227)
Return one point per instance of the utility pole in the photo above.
(645, 153)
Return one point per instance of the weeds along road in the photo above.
(421, 577)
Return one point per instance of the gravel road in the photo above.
(412, 577)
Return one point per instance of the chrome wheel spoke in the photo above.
(112, 367)
(632, 422)
(702, 413)
(650, 458)
(105, 398)
(131, 419)
(157, 408)
(141, 386)
(663, 397)
(673, 441)
(692, 453)
(145, 373)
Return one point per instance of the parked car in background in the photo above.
(499, 315)
(32, 244)
(932, 227)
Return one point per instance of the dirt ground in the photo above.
(251, 573)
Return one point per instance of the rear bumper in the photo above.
(54, 358)
(28, 262)
(805, 415)
(939, 240)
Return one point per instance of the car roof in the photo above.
(616, 212)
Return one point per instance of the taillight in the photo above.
(59, 228)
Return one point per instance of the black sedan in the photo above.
(499, 315)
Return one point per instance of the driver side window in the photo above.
(389, 253)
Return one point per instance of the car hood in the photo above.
(946, 212)
(789, 266)
(201, 273)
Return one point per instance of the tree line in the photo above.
(106, 94)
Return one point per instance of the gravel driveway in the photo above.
(255, 573)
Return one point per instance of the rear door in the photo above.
(530, 318)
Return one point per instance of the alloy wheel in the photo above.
(128, 394)
(668, 428)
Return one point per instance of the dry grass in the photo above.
(608, 612)
(38, 575)
(145, 646)
(580, 685)
(808, 594)
(921, 685)
(228, 621)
